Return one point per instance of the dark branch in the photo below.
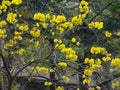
(6, 67)
(102, 10)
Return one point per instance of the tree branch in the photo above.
(102, 10)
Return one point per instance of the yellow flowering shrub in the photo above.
(51, 43)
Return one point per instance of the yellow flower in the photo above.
(84, 9)
(73, 40)
(78, 43)
(55, 40)
(35, 33)
(16, 2)
(44, 25)
(106, 59)
(3, 34)
(108, 34)
(3, 23)
(21, 51)
(7, 3)
(77, 20)
(62, 64)
(67, 25)
(43, 70)
(66, 79)
(86, 81)
(36, 43)
(47, 83)
(52, 70)
(78, 89)
(116, 84)
(60, 41)
(11, 18)
(91, 88)
(98, 87)
(39, 16)
(61, 46)
(97, 25)
(88, 72)
(115, 62)
(48, 16)
(59, 88)
(60, 18)
(86, 60)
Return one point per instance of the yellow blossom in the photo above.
(43, 70)
(86, 81)
(77, 20)
(60, 18)
(59, 88)
(35, 33)
(115, 62)
(116, 83)
(91, 88)
(66, 78)
(55, 40)
(97, 25)
(21, 51)
(108, 34)
(39, 16)
(98, 87)
(62, 64)
(61, 46)
(44, 25)
(78, 43)
(16, 2)
(88, 72)
(73, 40)
(11, 18)
(3, 23)
(3, 34)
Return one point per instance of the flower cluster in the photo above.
(35, 33)
(115, 62)
(62, 64)
(57, 19)
(3, 23)
(86, 81)
(10, 44)
(3, 34)
(39, 16)
(101, 50)
(11, 18)
(77, 20)
(84, 9)
(16, 2)
(47, 83)
(17, 35)
(116, 83)
(98, 50)
(88, 72)
(73, 40)
(42, 70)
(23, 27)
(97, 25)
(70, 53)
(4, 5)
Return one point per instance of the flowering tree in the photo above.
(35, 43)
